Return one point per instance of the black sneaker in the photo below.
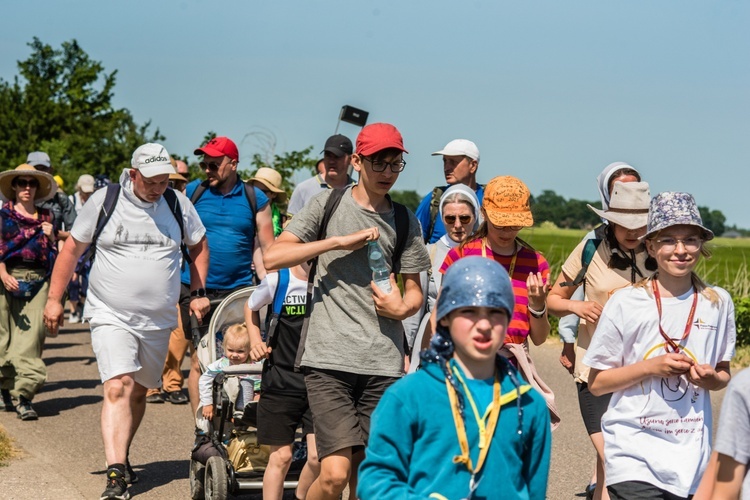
(130, 475)
(6, 402)
(117, 488)
(176, 397)
(24, 410)
(156, 398)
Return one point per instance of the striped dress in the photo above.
(525, 261)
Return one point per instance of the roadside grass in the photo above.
(727, 267)
(7, 450)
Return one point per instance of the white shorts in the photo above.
(119, 350)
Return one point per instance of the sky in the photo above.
(550, 91)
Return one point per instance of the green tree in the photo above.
(409, 198)
(714, 220)
(61, 103)
(286, 164)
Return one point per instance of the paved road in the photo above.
(63, 457)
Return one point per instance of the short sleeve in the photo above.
(606, 349)
(305, 225)
(263, 294)
(452, 257)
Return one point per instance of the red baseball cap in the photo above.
(220, 146)
(377, 137)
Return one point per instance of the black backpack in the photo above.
(108, 207)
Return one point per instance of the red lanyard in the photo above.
(688, 326)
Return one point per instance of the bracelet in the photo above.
(537, 314)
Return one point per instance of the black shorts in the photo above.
(279, 416)
(342, 404)
(639, 490)
(592, 408)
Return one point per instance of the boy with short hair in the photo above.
(354, 347)
(466, 425)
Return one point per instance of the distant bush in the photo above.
(742, 310)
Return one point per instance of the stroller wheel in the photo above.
(217, 479)
(197, 478)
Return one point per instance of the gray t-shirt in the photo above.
(345, 333)
(733, 438)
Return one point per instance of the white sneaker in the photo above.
(73, 318)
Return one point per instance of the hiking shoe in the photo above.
(117, 488)
(24, 410)
(156, 397)
(6, 402)
(130, 476)
(176, 397)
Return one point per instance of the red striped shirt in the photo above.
(527, 261)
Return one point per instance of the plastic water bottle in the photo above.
(381, 275)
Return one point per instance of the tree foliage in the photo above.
(286, 164)
(61, 103)
(550, 206)
(714, 220)
(409, 198)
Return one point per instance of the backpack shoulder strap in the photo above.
(105, 213)
(174, 206)
(282, 286)
(251, 200)
(199, 190)
(589, 250)
(437, 193)
(402, 233)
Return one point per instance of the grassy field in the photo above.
(727, 266)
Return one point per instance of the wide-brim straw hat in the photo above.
(506, 202)
(628, 205)
(675, 209)
(47, 185)
(177, 177)
(272, 180)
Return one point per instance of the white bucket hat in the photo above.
(628, 205)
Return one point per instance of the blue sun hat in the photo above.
(674, 209)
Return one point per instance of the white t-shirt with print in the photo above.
(659, 430)
(135, 276)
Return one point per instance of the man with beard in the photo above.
(234, 213)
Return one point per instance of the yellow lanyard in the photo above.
(486, 431)
(512, 260)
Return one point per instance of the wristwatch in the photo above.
(201, 292)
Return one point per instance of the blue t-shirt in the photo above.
(230, 230)
(423, 214)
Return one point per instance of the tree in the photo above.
(409, 198)
(285, 164)
(61, 103)
(713, 220)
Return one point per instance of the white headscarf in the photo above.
(472, 197)
(603, 180)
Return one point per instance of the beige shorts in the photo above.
(119, 350)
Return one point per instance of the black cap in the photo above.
(339, 145)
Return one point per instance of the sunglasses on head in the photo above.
(463, 219)
(24, 183)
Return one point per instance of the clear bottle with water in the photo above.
(381, 274)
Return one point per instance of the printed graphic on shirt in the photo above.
(143, 240)
(294, 304)
(677, 387)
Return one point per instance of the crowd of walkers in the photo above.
(645, 338)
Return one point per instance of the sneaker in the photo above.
(117, 488)
(130, 475)
(6, 402)
(156, 397)
(176, 397)
(74, 318)
(24, 409)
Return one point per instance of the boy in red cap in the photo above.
(354, 347)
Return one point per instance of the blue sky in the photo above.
(550, 91)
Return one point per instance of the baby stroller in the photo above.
(230, 440)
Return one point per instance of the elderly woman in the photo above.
(459, 211)
(27, 253)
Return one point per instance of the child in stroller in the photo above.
(236, 352)
(226, 457)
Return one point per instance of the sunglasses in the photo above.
(24, 183)
(463, 219)
(211, 166)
